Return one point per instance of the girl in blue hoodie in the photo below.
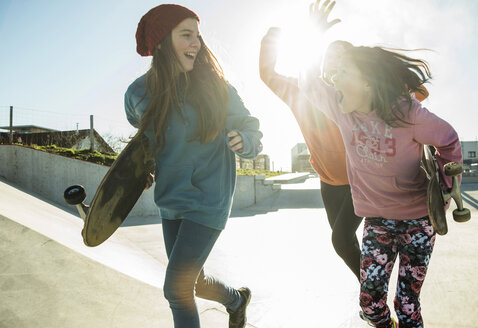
(196, 123)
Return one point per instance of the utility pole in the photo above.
(11, 124)
(92, 135)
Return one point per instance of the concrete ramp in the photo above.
(297, 177)
(45, 284)
(40, 215)
(48, 278)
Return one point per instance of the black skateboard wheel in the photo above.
(453, 169)
(461, 216)
(74, 195)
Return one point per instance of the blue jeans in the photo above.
(188, 245)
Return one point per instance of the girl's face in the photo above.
(186, 43)
(332, 59)
(354, 91)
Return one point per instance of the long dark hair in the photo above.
(204, 88)
(392, 77)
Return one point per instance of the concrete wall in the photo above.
(469, 179)
(49, 175)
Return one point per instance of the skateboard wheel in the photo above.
(452, 169)
(461, 216)
(74, 195)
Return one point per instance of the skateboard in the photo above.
(438, 197)
(117, 193)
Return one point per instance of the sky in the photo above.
(62, 60)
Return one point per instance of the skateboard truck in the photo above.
(437, 194)
(460, 214)
(75, 195)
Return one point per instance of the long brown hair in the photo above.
(204, 88)
(392, 77)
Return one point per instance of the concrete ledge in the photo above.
(49, 175)
(276, 187)
(297, 177)
(469, 179)
(244, 195)
(263, 190)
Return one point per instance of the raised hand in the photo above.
(320, 14)
(268, 53)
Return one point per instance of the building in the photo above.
(19, 132)
(261, 162)
(300, 159)
(26, 129)
(470, 151)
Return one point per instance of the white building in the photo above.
(470, 151)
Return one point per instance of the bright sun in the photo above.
(300, 47)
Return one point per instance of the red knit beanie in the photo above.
(157, 23)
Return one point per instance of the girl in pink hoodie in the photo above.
(384, 129)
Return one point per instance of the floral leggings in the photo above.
(383, 240)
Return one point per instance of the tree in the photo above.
(117, 142)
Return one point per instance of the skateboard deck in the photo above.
(117, 193)
(437, 196)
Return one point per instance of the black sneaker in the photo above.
(238, 319)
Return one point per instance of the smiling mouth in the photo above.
(190, 55)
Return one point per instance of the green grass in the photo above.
(83, 154)
(108, 159)
(267, 173)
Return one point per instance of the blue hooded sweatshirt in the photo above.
(196, 181)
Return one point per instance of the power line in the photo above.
(46, 111)
(125, 123)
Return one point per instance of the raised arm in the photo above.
(318, 93)
(284, 87)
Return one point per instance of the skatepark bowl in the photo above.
(280, 248)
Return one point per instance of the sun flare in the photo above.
(300, 46)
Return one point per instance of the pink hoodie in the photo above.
(383, 163)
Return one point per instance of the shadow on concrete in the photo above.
(468, 199)
(467, 196)
(130, 221)
(65, 207)
(284, 199)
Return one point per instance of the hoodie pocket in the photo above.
(174, 184)
(375, 190)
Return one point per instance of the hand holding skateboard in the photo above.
(117, 193)
(437, 198)
(149, 181)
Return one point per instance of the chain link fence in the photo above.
(66, 127)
